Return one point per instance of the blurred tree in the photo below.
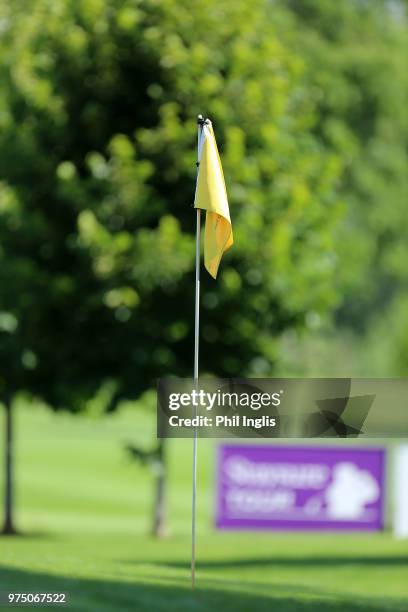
(355, 54)
(98, 101)
(357, 72)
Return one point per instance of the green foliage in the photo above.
(98, 101)
(97, 150)
(357, 71)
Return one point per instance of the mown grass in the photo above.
(84, 514)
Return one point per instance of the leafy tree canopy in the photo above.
(98, 101)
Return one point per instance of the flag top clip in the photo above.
(203, 120)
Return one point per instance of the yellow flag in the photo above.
(211, 196)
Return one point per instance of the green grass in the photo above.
(84, 509)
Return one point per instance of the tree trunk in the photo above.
(160, 502)
(8, 527)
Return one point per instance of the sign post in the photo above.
(401, 492)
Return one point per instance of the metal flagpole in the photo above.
(200, 122)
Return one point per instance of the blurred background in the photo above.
(98, 106)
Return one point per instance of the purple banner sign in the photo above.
(281, 487)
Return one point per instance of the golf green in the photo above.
(83, 509)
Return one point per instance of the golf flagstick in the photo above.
(211, 196)
(200, 122)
